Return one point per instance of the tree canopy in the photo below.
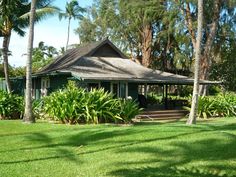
(162, 34)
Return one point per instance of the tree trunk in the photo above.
(146, 44)
(206, 58)
(194, 106)
(28, 116)
(5, 51)
(68, 34)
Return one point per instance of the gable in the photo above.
(106, 51)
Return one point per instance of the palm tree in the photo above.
(194, 107)
(28, 116)
(14, 17)
(73, 10)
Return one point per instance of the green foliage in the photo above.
(65, 105)
(128, 110)
(101, 107)
(11, 106)
(75, 105)
(222, 105)
(37, 107)
(153, 98)
(154, 150)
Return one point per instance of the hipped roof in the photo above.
(81, 63)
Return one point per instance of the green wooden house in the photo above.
(96, 65)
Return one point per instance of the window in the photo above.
(123, 90)
(92, 86)
(45, 84)
(115, 89)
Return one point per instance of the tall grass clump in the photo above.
(11, 106)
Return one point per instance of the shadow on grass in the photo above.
(167, 172)
(204, 157)
(82, 139)
(77, 140)
(208, 150)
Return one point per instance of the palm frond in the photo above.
(42, 13)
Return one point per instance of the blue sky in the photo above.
(51, 31)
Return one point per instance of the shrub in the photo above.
(224, 105)
(37, 108)
(11, 106)
(128, 110)
(214, 106)
(153, 98)
(75, 105)
(101, 107)
(66, 105)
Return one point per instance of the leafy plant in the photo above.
(11, 106)
(76, 105)
(101, 107)
(128, 110)
(66, 105)
(222, 105)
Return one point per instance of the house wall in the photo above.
(106, 86)
(57, 82)
(106, 51)
(133, 90)
(3, 85)
(18, 86)
(60, 81)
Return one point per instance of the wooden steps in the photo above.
(162, 115)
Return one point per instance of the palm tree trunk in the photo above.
(68, 33)
(5, 50)
(28, 117)
(194, 107)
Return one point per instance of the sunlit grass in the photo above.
(167, 149)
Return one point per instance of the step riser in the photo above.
(147, 116)
(153, 120)
(161, 115)
(164, 112)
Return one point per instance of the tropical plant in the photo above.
(67, 106)
(222, 105)
(11, 106)
(73, 10)
(128, 110)
(76, 105)
(42, 55)
(14, 17)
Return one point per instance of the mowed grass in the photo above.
(164, 149)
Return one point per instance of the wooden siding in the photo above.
(57, 82)
(106, 86)
(18, 86)
(133, 90)
(3, 85)
(106, 51)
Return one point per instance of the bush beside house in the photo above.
(221, 105)
(11, 106)
(76, 105)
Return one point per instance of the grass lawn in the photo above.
(167, 149)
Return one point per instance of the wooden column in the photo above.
(166, 95)
(145, 90)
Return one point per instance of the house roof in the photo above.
(73, 55)
(82, 63)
